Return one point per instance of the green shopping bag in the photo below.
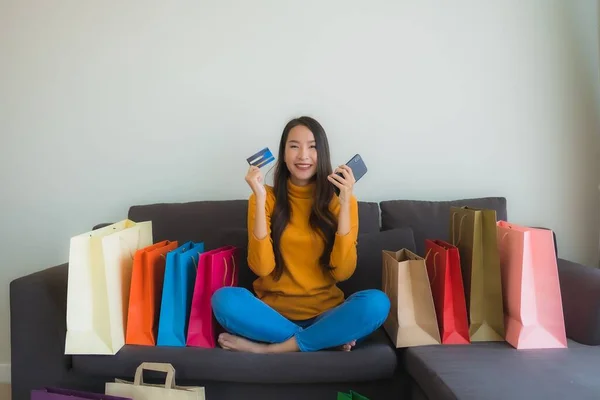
(351, 396)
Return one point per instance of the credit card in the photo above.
(261, 158)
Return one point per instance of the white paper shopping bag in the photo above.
(99, 279)
(138, 390)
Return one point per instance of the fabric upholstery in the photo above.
(195, 221)
(369, 264)
(373, 359)
(497, 371)
(580, 292)
(198, 220)
(431, 219)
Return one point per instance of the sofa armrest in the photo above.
(38, 306)
(580, 291)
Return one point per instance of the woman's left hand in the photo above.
(345, 182)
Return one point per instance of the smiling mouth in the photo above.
(304, 166)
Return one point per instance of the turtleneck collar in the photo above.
(304, 192)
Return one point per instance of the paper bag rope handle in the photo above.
(386, 284)
(159, 367)
(434, 263)
(509, 228)
(459, 228)
(232, 273)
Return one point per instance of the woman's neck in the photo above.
(301, 191)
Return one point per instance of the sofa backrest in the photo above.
(220, 223)
(431, 219)
(195, 221)
(403, 224)
(200, 221)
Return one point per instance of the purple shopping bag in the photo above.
(48, 393)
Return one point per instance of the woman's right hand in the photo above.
(255, 181)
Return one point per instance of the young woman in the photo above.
(301, 242)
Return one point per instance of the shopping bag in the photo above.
(178, 286)
(146, 293)
(50, 393)
(473, 231)
(443, 268)
(98, 284)
(412, 320)
(216, 269)
(531, 290)
(352, 395)
(138, 390)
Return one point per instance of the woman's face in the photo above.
(301, 155)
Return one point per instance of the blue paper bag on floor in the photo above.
(178, 288)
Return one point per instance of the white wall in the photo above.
(132, 102)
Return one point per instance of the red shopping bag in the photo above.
(216, 269)
(533, 310)
(445, 277)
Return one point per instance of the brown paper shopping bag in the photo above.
(138, 390)
(473, 231)
(412, 320)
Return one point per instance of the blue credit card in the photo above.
(261, 158)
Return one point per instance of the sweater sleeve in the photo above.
(344, 255)
(261, 258)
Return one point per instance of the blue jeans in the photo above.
(241, 313)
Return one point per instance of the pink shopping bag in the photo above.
(533, 310)
(216, 269)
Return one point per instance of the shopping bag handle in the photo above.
(459, 228)
(434, 263)
(158, 367)
(386, 281)
(232, 272)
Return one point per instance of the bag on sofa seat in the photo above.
(473, 231)
(178, 286)
(216, 269)
(531, 289)
(443, 268)
(412, 320)
(98, 285)
(146, 291)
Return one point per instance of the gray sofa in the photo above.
(375, 368)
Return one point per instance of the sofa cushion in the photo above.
(368, 217)
(369, 264)
(199, 220)
(495, 370)
(195, 221)
(580, 292)
(431, 219)
(373, 359)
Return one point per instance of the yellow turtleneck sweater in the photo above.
(304, 290)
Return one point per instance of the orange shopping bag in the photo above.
(146, 293)
(533, 311)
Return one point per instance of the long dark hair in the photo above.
(321, 219)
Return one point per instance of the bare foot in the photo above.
(232, 342)
(348, 346)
